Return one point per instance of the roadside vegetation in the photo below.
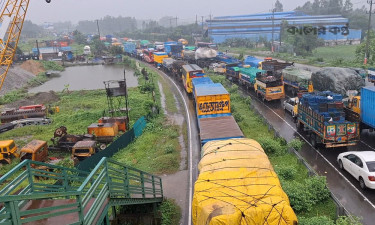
(157, 150)
(309, 196)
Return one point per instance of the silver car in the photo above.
(290, 105)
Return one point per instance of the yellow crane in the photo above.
(11, 19)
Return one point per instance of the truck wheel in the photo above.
(299, 126)
(102, 146)
(313, 140)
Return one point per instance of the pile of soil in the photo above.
(16, 78)
(44, 98)
(34, 67)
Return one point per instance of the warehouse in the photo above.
(333, 29)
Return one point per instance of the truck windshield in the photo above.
(83, 150)
(26, 156)
(371, 166)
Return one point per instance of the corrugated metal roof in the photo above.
(219, 128)
(210, 89)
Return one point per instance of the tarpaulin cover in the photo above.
(237, 185)
(297, 75)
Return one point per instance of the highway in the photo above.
(346, 189)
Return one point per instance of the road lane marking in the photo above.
(364, 197)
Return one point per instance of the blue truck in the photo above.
(362, 108)
(130, 48)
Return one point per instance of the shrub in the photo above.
(170, 212)
(272, 146)
(303, 196)
(344, 220)
(51, 65)
(286, 172)
(317, 220)
(296, 144)
(238, 117)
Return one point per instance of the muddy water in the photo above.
(87, 78)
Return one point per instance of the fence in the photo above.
(120, 143)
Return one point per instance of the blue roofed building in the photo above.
(333, 29)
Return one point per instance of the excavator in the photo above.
(11, 19)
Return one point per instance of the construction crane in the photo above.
(12, 18)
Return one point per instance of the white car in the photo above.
(290, 105)
(361, 165)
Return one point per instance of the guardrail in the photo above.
(78, 195)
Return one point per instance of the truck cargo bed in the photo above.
(219, 128)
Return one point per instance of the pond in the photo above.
(87, 78)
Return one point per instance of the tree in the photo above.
(116, 50)
(304, 44)
(278, 6)
(360, 50)
(347, 8)
(79, 38)
(98, 46)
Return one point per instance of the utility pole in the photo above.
(176, 21)
(97, 24)
(273, 25)
(367, 53)
(196, 19)
(202, 24)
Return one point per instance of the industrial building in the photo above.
(333, 29)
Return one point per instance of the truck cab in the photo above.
(35, 150)
(8, 149)
(189, 72)
(84, 149)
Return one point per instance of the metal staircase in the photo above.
(40, 193)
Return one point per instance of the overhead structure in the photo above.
(12, 17)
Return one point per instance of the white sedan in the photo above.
(361, 165)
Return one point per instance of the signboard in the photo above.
(214, 107)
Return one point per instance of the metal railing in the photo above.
(83, 196)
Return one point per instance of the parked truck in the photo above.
(158, 58)
(371, 76)
(321, 115)
(269, 87)
(189, 72)
(361, 108)
(83, 149)
(297, 80)
(8, 151)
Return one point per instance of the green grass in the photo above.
(157, 150)
(340, 56)
(346, 52)
(253, 127)
(170, 101)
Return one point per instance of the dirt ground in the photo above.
(39, 98)
(34, 67)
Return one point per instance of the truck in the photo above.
(232, 72)
(269, 86)
(189, 72)
(83, 149)
(297, 80)
(205, 56)
(247, 76)
(371, 76)
(130, 48)
(167, 65)
(252, 61)
(158, 58)
(273, 65)
(174, 49)
(9, 150)
(361, 108)
(148, 55)
(211, 100)
(321, 116)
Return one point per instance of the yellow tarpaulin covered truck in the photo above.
(237, 185)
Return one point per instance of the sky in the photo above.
(75, 10)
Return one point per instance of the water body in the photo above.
(87, 78)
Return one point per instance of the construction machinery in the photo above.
(9, 150)
(12, 18)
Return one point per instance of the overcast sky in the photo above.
(75, 10)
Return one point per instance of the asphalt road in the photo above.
(344, 187)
